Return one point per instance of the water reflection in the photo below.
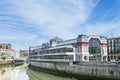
(35, 75)
(13, 73)
(23, 73)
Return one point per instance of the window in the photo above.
(85, 48)
(94, 49)
(69, 49)
(79, 49)
(85, 57)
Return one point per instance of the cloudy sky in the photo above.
(25, 23)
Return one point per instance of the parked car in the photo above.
(113, 62)
(118, 62)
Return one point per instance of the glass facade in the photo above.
(36, 55)
(57, 50)
(94, 49)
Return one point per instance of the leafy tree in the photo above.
(12, 57)
(25, 54)
(3, 56)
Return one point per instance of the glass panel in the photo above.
(69, 50)
(94, 49)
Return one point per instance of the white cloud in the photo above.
(49, 18)
(53, 17)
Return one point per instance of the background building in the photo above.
(24, 54)
(7, 49)
(15, 54)
(9, 52)
(113, 48)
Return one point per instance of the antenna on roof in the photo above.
(112, 35)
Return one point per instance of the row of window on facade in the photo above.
(114, 40)
(114, 46)
(114, 51)
(85, 48)
(97, 57)
(115, 57)
(63, 50)
(59, 50)
(91, 50)
(70, 57)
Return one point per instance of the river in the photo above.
(24, 73)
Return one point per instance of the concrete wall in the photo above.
(96, 70)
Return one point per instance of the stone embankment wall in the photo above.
(94, 70)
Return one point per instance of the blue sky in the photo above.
(25, 23)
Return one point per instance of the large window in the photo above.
(94, 49)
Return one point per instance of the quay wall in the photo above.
(82, 69)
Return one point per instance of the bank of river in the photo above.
(24, 73)
(71, 76)
(37, 75)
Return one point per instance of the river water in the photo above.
(24, 73)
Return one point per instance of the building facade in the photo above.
(23, 54)
(113, 48)
(91, 48)
(15, 54)
(7, 49)
(82, 48)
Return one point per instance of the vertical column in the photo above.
(75, 51)
(82, 50)
(103, 51)
(116, 57)
(78, 51)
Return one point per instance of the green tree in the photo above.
(3, 56)
(24, 54)
(12, 57)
